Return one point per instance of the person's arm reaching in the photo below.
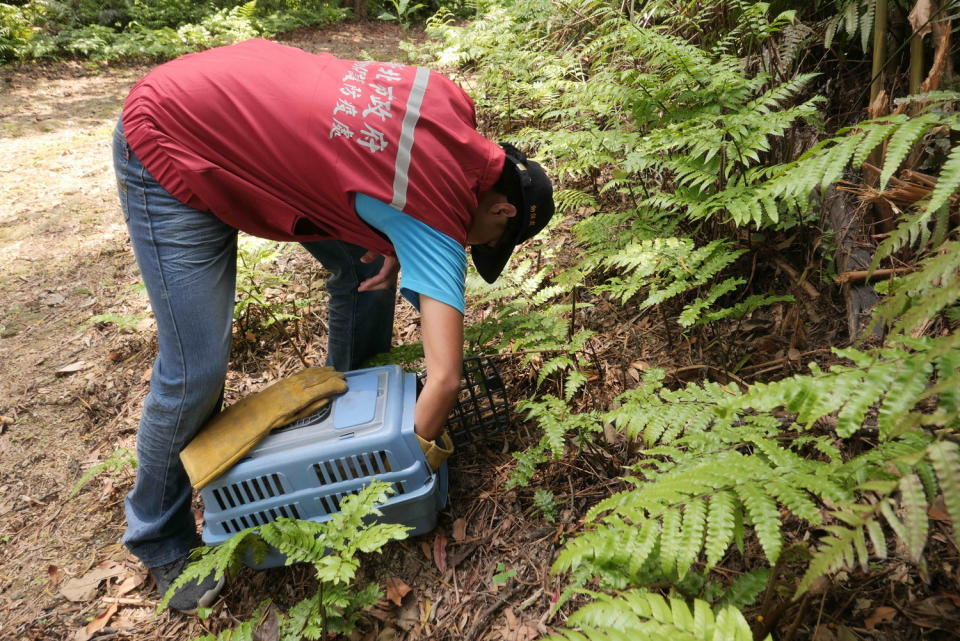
(442, 329)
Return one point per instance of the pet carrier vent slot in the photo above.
(331, 502)
(317, 417)
(248, 491)
(263, 517)
(349, 468)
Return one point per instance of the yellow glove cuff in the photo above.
(436, 451)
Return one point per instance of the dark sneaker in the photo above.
(191, 596)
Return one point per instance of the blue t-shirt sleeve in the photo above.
(431, 263)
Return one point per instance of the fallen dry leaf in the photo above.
(937, 514)
(269, 627)
(409, 614)
(938, 511)
(387, 634)
(460, 529)
(396, 590)
(526, 633)
(84, 588)
(55, 575)
(440, 551)
(846, 634)
(97, 624)
(936, 612)
(510, 617)
(72, 368)
(823, 633)
(130, 583)
(427, 551)
(880, 614)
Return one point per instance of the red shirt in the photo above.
(276, 141)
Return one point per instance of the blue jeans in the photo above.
(187, 259)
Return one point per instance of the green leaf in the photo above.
(948, 182)
(945, 456)
(902, 142)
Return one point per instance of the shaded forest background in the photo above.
(734, 360)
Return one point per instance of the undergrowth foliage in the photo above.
(671, 140)
(331, 547)
(162, 29)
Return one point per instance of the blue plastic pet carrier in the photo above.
(304, 470)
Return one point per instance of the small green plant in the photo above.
(503, 574)
(330, 547)
(120, 459)
(405, 355)
(257, 305)
(124, 322)
(403, 12)
(546, 503)
(559, 424)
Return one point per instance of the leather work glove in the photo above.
(234, 431)
(436, 451)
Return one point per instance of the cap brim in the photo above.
(490, 261)
(534, 189)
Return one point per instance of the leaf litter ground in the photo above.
(70, 392)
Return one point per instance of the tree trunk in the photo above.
(852, 254)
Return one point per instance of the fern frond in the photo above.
(914, 506)
(765, 517)
(636, 614)
(691, 540)
(948, 181)
(836, 553)
(876, 132)
(720, 526)
(902, 141)
(945, 456)
(745, 589)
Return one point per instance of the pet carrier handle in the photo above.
(229, 435)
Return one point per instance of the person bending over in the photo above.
(370, 166)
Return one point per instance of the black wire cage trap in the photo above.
(482, 410)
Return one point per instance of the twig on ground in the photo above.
(481, 624)
(690, 368)
(863, 275)
(800, 281)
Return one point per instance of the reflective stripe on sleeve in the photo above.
(400, 177)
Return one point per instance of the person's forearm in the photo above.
(442, 328)
(437, 398)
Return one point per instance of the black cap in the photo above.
(530, 191)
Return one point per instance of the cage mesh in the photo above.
(481, 411)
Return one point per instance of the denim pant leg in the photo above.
(187, 259)
(360, 323)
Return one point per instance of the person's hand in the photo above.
(386, 278)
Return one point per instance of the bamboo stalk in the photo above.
(879, 49)
(916, 63)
